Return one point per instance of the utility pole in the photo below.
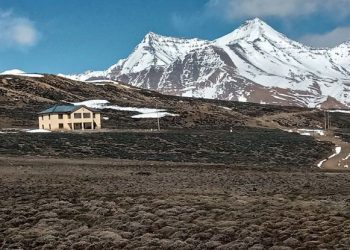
(158, 124)
(327, 120)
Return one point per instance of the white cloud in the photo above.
(16, 32)
(330, 39)
(233, 9)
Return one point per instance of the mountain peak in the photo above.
(254, 28)
(151, 36)
(250, 31)
(255, 21)
(256, 24)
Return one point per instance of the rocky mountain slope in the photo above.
(254, 63)
(22, 95)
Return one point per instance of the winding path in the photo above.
(336, 161)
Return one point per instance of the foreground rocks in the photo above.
(106, 204)
(249, 189)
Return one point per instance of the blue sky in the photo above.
(72, 36)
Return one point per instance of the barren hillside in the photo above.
(21, 97)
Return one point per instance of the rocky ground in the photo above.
(249, 147)
(249, 189)
(114, 204)
(204, 188)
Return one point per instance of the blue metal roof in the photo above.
(66, 108)
(60, 108)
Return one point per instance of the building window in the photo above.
(68, 116)
(77, 115)
(70, 126)
(60, 116)
(77, 126)
(42, 126)
(49, 116)
(86, 115)
(60, 125)
(50, 126)
(87, 125)
(42, 117)
(94, 116)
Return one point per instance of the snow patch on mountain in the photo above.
(17, 72)
(143, 112)
(86, 76)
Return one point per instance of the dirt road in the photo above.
(340, 159)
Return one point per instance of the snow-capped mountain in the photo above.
(253, 63)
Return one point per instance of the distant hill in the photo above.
(23, 95)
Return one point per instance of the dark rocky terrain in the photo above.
(111, 204)
(245, 147)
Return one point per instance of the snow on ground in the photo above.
(337, 151)
(242, 98)
(12, 72)
(17, 72)
(347, 157)
(339, 111)
(85, 76)
(101, 81)
(38, 131)
(97, 104)
(223, 107)
(320, 163)
(153, 115)
(99, 84)
(310, 132)
(144, 112)
(305, 133)
(103, 104)
(104, 82)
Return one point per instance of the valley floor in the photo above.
(109, 204)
